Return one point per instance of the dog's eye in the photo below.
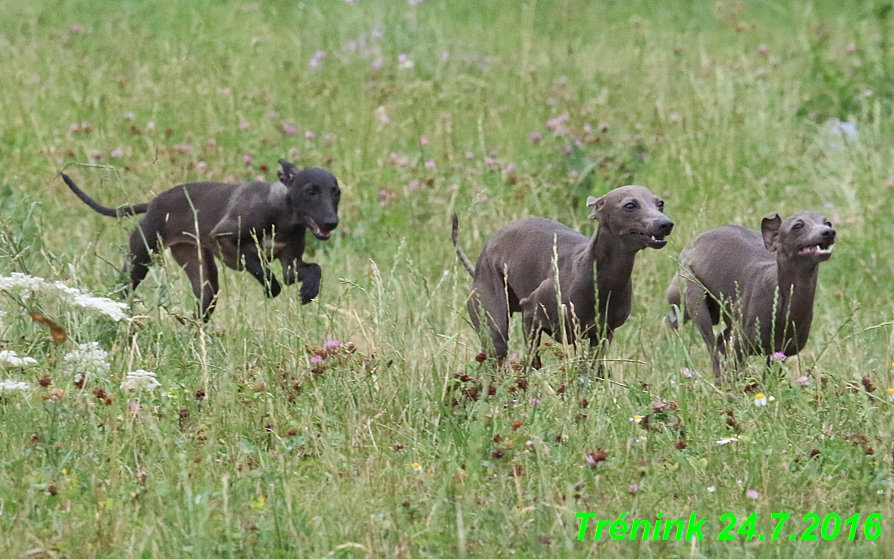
(337, 193)
(661, 205)
(630, 206)
(798, 225)
(310, 191)
(828, 224)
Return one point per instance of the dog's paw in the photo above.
(308, 293)
(272, 289)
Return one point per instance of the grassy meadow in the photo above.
(266, 438)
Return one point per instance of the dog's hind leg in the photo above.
(698, 309)
(202, 272)
(143, 242)
(489, 304)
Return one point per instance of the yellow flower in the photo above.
(417, 466)
(637, 419)
(259, 504)
(760, 399)
(891, 394)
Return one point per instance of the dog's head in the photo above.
(634, 214)
(314, 194)
(803, 237)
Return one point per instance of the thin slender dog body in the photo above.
(762, 284)
(238, 223)
(518, 267)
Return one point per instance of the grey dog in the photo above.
(238, 223)
(761, 283)
(518, 268)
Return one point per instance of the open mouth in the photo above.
(819, 250)
(652, 241)
(319, 233)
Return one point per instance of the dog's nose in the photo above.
(665, 227)
(330, 225)
(829, 234)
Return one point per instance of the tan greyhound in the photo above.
(519, 265)
(761, 283)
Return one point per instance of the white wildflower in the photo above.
(25, 287)
(760, 399)
(727, 440)
(112, 309)
(8, 358)
(88, 359)
(10, 385)
(140, 380)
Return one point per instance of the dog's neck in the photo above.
(614, 264)
(797, 290)
(614, 286)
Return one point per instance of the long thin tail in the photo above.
(459, 251)
(120, 211)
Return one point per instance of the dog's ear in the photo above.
(770, 231)
(288, 172)
(597, 204)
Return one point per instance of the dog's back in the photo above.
(516, 253)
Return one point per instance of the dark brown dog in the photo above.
(518, 268)
(238, 223)
(761, 283)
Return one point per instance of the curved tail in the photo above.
(120, 211)
(454, 235)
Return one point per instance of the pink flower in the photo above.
(150, 125)
(117, 152)
(309, 135)
(378, 63)
(247, 159)
(183, 148)
(489, 160)
(201, 166)
(316, 359)
(423, 141)
(289, 130)
(317, 58)
(535, 137)
(331, 344)
(404, 62)
(779, 356)
(803, 380)
(430, 164)
(752, 494)
(555, 123)
(535, 401)
(413, 185)
(686, 372)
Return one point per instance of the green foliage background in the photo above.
(726, 109)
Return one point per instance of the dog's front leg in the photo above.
(310, 275)
(243, 254)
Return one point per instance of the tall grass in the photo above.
(390, 445)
